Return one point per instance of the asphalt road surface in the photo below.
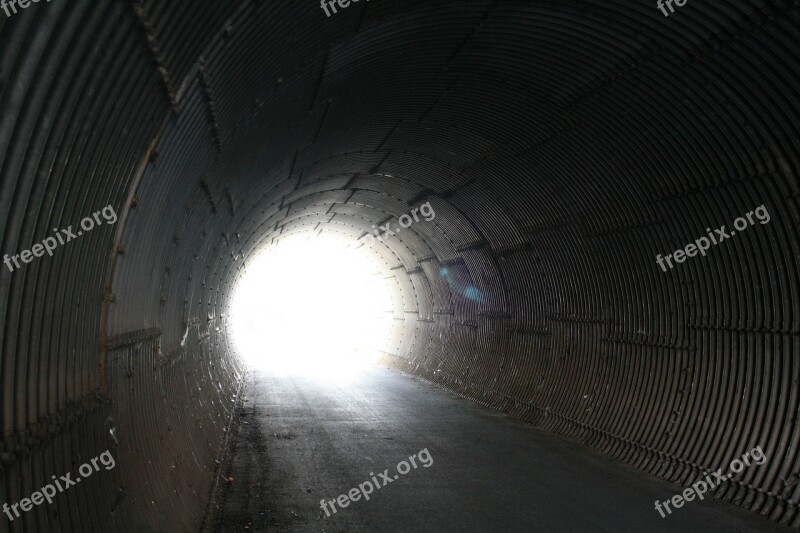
(300, 440)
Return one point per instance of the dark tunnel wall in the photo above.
(562, 145)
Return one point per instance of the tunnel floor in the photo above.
(301, 440)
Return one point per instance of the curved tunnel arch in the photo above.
(562, 146)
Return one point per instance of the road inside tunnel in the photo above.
(304, 439)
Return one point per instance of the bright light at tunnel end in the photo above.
(314, 306)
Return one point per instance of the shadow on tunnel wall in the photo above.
(574, 152)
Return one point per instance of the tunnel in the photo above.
(610, 274)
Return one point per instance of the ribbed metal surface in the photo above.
(562, 145)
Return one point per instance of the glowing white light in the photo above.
(312, 305)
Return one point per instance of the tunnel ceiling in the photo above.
(562, 146)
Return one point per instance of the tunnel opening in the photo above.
(312, 304)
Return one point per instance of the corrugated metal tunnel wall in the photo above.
(563, 145)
